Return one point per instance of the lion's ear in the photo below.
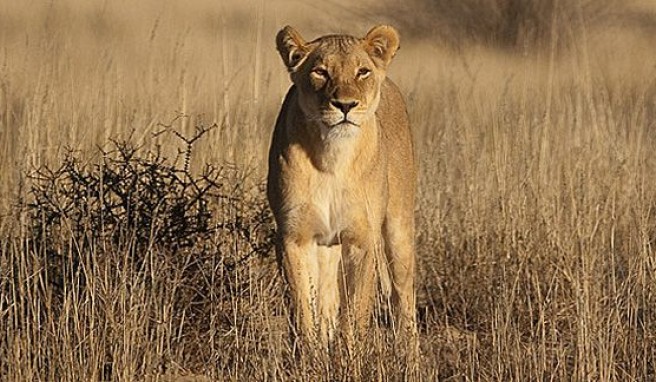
(292, 47)
(382, 42)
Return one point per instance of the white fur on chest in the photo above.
(331, 199)
(331, 204)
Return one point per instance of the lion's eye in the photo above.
(320, 72)
(363, 73)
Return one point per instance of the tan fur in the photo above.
(342, 193)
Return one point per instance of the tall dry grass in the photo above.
(536, 192)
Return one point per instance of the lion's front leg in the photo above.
(360, 286)
(359, 281)
(299, 262)
(329, 260)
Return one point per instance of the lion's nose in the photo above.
(345, 107)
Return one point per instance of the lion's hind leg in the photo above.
(399, 249)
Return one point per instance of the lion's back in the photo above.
(398, 144)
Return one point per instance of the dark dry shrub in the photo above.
(138, 202)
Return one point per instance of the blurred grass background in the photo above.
(534, 123)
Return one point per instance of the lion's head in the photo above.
(338, 76)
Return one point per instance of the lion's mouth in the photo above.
(345, 128)
(345, 122)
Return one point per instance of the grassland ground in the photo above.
(124, 256)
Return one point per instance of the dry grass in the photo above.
(536, 216)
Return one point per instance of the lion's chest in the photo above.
(326, 193)
(333, 206)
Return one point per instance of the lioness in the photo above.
(342, 181)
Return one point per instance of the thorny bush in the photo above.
(139, 201)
